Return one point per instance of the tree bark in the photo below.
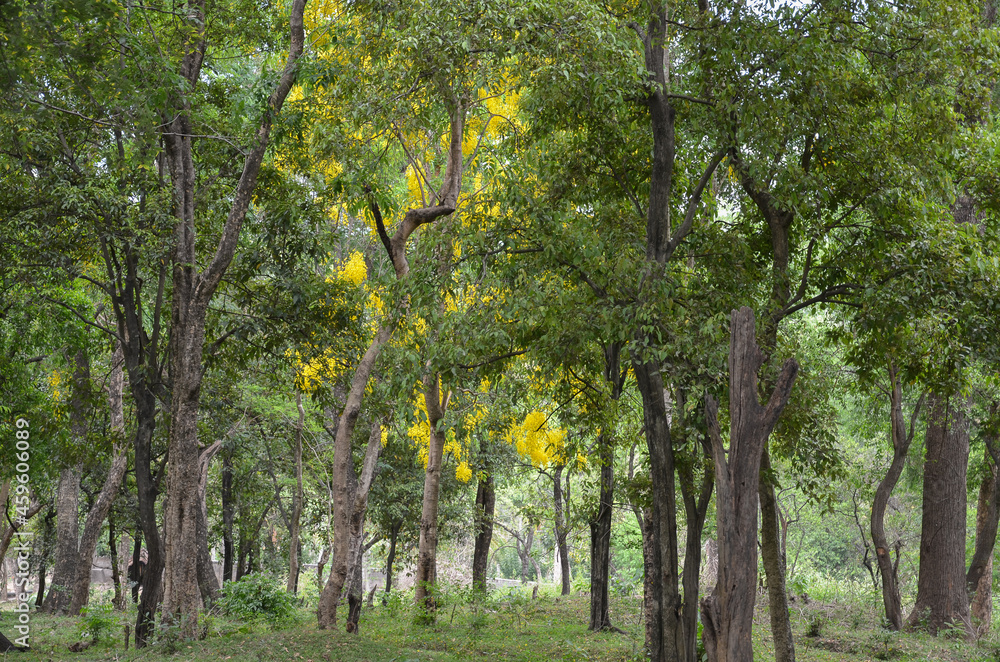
(227, 516)
(561, 530)
(208, 583)
(727, 613)
(600, 540)
(942, 597)
(67, 532)
(426, 575)
(293, 533)
(391, 558)
(900, 447)
(359, 509)
(483, 527)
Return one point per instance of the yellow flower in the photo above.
(354, 270)
(463, 472)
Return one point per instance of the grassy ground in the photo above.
(507, 627)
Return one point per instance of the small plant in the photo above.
(815, 625)
(96, 622)
(257, 596)
(883, 641)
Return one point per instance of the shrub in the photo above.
(257, 596)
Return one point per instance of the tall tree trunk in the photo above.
(727, 614)
(118, 602)
(293, 533)
(773, 560)
(192, 292)
(46, 551)
(600, 540)
(942, 598)
(561, 530)
(900, 447)
(426, 575)
(483, 527)
(979, 579)
(102, 505)
(227, 516)
(396, 247)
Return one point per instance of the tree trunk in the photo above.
(900, 447)
(192, 292)
(227, 516)
(773, 558)
(359, 509)
(118, 602)
(67, 552)
(942, 597)
(426, 575)
(391, 558)
(483, 527)
(561, 530)
(44, 561)
(102, 505)
(600, 540)
(293, 533)
(396, 247)
(323, 559)
(727, 613)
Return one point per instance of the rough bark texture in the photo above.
(562, 532)
(192, 292)
(67, 532)
(293, 532)
(900, 447)
(727, 614)
(773, 559)
(485, 507)
(942, 598)
(357, 530)
(396, 247)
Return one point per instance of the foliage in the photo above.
(258, 596)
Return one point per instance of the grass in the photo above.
(841, 627)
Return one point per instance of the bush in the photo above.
(97, 622)
(257, 596)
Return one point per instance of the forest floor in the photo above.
(509, 626)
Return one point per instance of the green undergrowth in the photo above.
(506, 625)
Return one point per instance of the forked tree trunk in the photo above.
(357, 530)
(192, 293)
(900, 447)
(727, 613)
(426, 574)
(600, 540)
(293, 533)
(561, 530)
(483, 527)
(396, 247)
(102, 505)
(942, 598)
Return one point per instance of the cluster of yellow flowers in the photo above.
(354, 270)
(534, 439)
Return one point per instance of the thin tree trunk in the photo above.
(46, 551)
(942, 597)
(561, 530)
(600, 540)
(391, 558)
(323, 559)
(900, 447)
(293, 533)
(426, 575)
(773, 560)
(227, 516)
(118, 602)
(359, 509)
(483, 527)
(727, 613)
(208, 583)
